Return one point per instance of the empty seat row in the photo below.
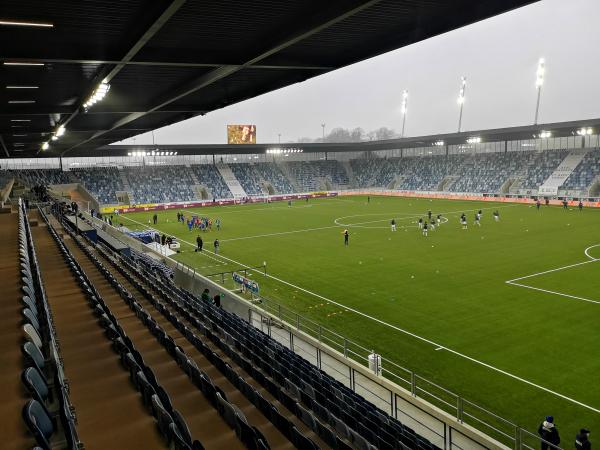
(189, 316)
(320, 401)
(169, 421)
(48, 413)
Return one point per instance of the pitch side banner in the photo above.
(247, 283)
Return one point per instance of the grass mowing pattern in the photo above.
(449, 288)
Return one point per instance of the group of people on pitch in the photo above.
(551, 439)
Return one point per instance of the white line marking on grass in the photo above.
(280, 233)
(588, 249)
(420, 338)
(562, 294)
(551, 270)
(439, 348)
(554, 292)
(408, 216)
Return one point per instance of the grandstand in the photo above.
(506, 173)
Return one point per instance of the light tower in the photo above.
(323, 127)
(404, 109)
(461, 99)
(539, 82)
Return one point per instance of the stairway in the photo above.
(124, 180)
(348, 168)
(231, 181)
(562, 172)
(288, 174)
(126, 189)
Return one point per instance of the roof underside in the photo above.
(168, 61)
(522, 133)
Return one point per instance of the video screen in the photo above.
(241, 134)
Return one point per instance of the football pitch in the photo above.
(504, 314)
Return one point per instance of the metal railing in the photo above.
(283, 321)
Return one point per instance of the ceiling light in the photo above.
(45, 146)
(474, 140)
(98, 94)
(21, 101)
(545, 134)
(54, 138)
(19, 135)
(18, 144)
(20, 63)
(61, 130)
(21, 23)
(22, 87)
(585, 131)
(20, 120)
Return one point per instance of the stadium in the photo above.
(392, 291)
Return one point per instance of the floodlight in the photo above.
(45, 146)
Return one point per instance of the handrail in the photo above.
(432, 393)
(419, 387)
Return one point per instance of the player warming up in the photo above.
(393, 223)
(463, 221)
(496, 216)
(346, 237)
(425, 229)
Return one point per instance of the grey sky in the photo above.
(498, 56)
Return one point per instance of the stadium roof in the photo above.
(168, 61)
(522, 133)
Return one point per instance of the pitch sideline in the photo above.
(413, 335)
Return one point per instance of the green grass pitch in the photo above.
(523, 352)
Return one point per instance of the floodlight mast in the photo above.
(461, 100)
(404, 110)
(539, 82)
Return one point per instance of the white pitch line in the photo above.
(588, 249)
(409, 216)
(420, 338)
(554, 292)
(439, 348)
(280, 233)
(562, 294)
(551, 270)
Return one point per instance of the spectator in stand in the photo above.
(205, 295)
(217, 300)
(582, 440)
(549, 433)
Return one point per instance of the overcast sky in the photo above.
(498, 56)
